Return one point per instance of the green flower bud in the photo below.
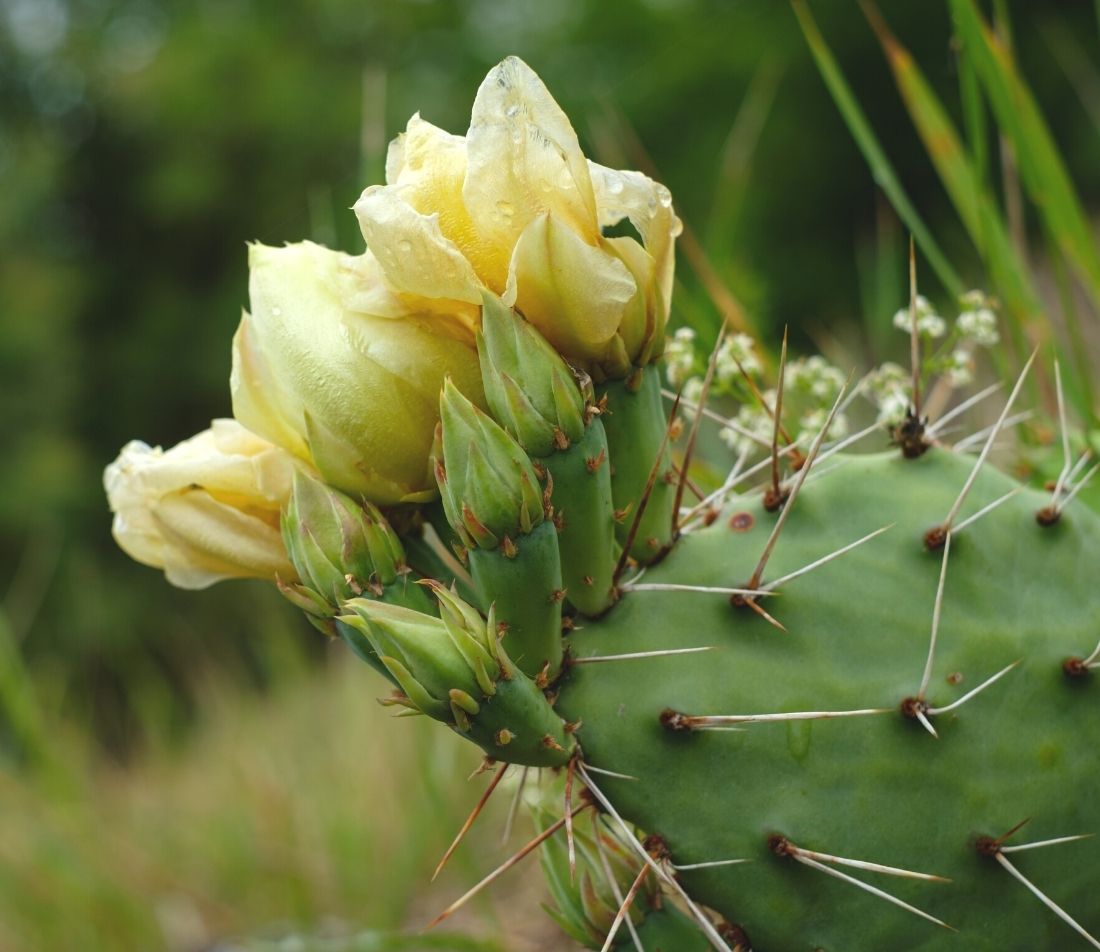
(490, 489)
(529, 387)
(339, 549)
(586, 905)
(454, 669)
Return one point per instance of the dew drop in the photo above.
(405, 246)
(615, 186)
(277, 312)
(505, 209)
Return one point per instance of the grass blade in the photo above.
(979, 215)
(1044, 173)
(871, 148)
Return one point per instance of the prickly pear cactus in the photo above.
(871, 787)
(834, 699)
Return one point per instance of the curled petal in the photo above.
(412, 251)
(207, 540)
(524, 160)
(648, 206)
(642, 328)
(205, 510)
(430, 167)
(575, 294)
(258, 397)
(363, 289)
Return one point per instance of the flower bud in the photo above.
(454, 669)
(587, 903)
(490, 489)
(354, 393)
(528, 386)
(205, 510)
(339, 548)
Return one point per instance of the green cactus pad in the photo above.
(876, 788)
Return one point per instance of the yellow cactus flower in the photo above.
(516, 208)
(205, 510)
(335, 367)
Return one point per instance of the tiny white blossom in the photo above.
(888, 380)
(929, 323)
(737, 348)
(974, 300)
(812, 422)
(680, 356)
(892, 409)
(692, 391)
(752, 420)
(978, 325)
(816, 377)
(959, 368)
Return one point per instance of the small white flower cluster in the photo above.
(959, 367)
(751, 429)
(681, 364)
(814, 376)
(811, 386)
(977, 321)
(888, 388)
(813, 420)
(692, 391)
(680, 356)
(737, 348)
(929, 323)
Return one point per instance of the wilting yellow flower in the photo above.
(205, 510)
(333, 366)
(516, 208)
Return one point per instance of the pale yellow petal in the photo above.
(648, 206)
(523, 159)
(642, 327)
(403, 365)
(363, 289)
(260, 401)
(360, 391)
(573, 293)
(207, 540)
(205, 510)
(133, 527)
(429, 165)
(412, 251)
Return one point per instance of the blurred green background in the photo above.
(177, 769)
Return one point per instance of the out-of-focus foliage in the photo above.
(313, 816)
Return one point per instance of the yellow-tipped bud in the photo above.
(354, 393)
(205, 510)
